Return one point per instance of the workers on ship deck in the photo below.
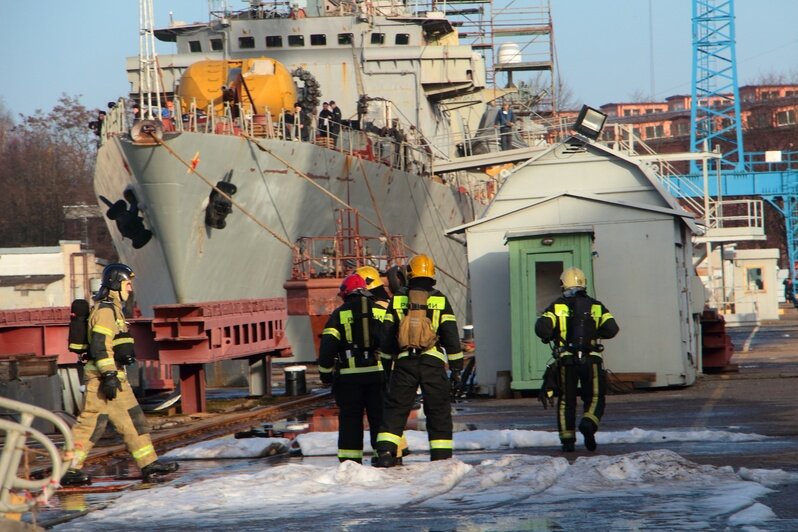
(326, 119)
(109, 396)
(297, 125)
(504, 121)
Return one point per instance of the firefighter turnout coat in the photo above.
(349, 359)
(426, 369)
(574, 324)
(108, 331)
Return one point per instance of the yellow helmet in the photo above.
(421, 266)
(370, 275)
(573, 278)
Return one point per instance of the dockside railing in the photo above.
(19, 494)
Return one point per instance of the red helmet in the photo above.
(352, 283)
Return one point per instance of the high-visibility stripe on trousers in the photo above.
(589, 375)
(123, 412)
(410, 373)
(353, 399)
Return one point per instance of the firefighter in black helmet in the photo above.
(574, 322)
(420, 365)
(109, 396)
(349, 359)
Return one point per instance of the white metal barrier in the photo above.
(17, 435)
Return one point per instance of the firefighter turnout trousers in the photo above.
(355, 394)
(430, 373)
(588, 375)
(124, 412)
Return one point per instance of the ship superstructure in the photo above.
(213, 186)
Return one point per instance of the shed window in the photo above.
(377, 38)
(755, 281)
(296, 40)
(217, 45)
(194, 46)
(318, 39)
(246, 42)
(402, 38)
(274, 41)
(345, 38)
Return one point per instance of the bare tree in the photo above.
(46, 161)
(776, 78)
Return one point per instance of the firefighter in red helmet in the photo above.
(574, 323)
(349, 360)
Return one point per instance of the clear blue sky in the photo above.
(78, 47)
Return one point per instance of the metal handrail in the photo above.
(16, 437)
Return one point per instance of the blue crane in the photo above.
(716, 123)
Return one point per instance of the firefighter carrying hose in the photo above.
(109, 396)
(574, 323)
(420, 332)
(349, 360)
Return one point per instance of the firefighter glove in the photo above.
(110, 384)
(546, 398)
(455, 379)
(326, 378)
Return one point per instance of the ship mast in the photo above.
(149, 85)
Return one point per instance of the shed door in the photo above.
(535, 283)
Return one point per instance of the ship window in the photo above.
(296, 40)
(246, 42)
(217, 45)
(345, 38)
(194, 46)
(402, 38)
(318, 39)
(377, 38)
(274, 41)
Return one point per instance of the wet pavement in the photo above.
(757, 397)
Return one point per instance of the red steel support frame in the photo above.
(195, 334)
(190, 335)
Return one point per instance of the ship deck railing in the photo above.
(404, 150)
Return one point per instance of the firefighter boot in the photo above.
(385, 459)
(75, 477)
(568, 447)
(158, 469)
(588, 430)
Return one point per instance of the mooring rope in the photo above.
(342, 202)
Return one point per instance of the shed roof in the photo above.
(678, 212)
(675, 209)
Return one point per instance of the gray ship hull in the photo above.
(188, 262)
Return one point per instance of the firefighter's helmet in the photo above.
(114, 274)
(371, 276)
(352, 283)
(573, 278)
(421, 266)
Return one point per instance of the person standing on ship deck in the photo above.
(504, 121)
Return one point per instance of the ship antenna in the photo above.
(149, 82)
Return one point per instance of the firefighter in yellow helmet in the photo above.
(574, 323)
(420, 332)
(381, 298)
(349, 360)
(109, 396)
